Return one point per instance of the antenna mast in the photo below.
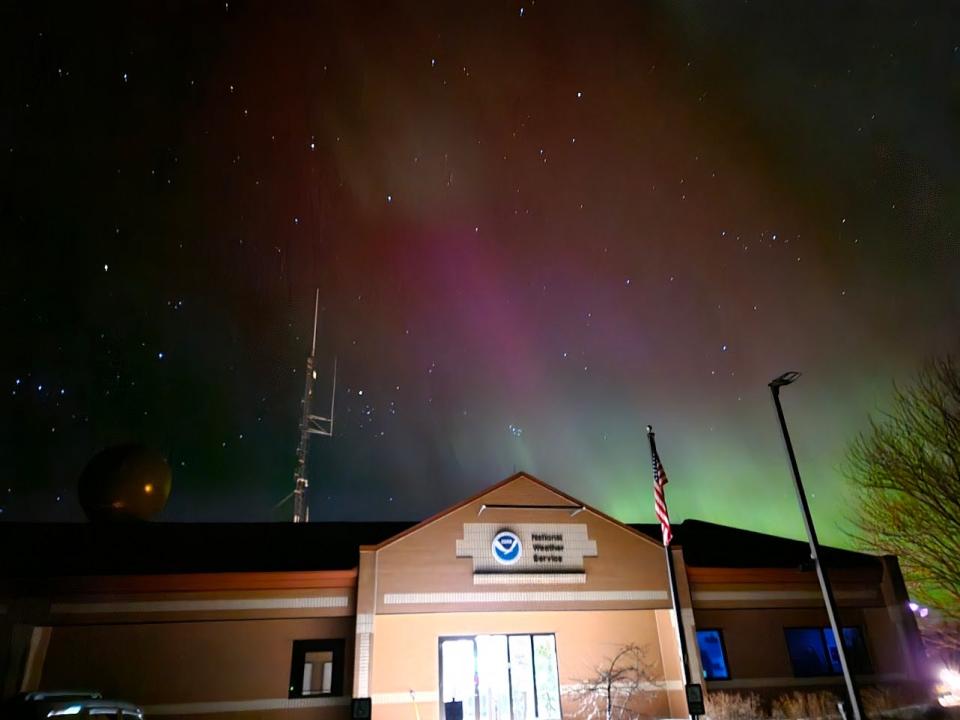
(310, 424)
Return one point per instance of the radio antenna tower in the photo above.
(310, 424)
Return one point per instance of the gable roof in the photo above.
(574, 504)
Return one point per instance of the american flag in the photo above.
(660, 500)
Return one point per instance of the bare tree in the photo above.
(905, 471)
(617, 686)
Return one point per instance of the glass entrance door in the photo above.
(459, 668)
(501, 677)
(494, 677)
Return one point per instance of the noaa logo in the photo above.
(506, 547)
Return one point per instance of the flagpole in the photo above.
(671, 574)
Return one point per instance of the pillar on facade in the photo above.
(895, 597)
(26, 645)
(366, 608)
(689, 624)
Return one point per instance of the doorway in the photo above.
(501, 677)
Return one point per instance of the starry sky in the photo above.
(535, 226)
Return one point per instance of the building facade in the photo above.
(517, 604)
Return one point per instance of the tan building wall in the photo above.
(753, 608)
(406, 647)
(431, 583)
(182, 646)
(184, 662)
(756, 646)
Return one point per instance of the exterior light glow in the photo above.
(949, 689)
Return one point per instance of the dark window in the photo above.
(854, 646)
(813, 651)
(713, 656)
(316, 668)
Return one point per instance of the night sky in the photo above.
(535, 226)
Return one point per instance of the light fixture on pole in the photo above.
(853, 692)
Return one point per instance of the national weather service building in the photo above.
(511, 605)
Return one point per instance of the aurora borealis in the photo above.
(536, 227)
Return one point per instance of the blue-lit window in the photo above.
(813, 651)
(808, 652)
(854, 647)
(713, 656)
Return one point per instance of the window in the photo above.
(316, 668)
(813, 651)
(713, 656)
(853, 645)
(500, 677)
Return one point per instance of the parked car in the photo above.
(67, 705)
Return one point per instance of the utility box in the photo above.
(360, 709)
(453, 710)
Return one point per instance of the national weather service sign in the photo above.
(506, 547)
(526, 548)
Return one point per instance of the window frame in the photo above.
(867, 662)
(821, 633)
(723, 650)
(530, 635)
(298, 660)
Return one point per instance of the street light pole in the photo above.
(828, 599)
